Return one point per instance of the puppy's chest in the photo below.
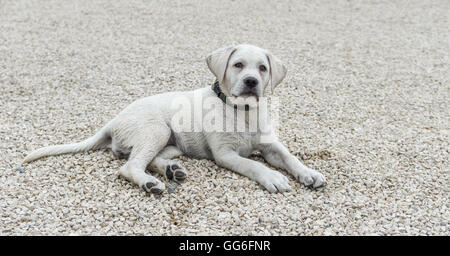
(242, 143)
(245, 146)
(196, 144)
(193, 144)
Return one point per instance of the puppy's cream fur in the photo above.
(143, 130)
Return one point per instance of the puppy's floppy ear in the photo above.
(277, 70)
(218, 62)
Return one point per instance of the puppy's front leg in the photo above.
(270, 179)
(279, 156)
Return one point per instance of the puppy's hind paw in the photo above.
(151, 187)
(176, 172)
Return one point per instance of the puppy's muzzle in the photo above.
(250, 87)
(250, 82)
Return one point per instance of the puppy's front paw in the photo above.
(312, 178)
(275, 182)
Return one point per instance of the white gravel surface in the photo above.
(365, 102)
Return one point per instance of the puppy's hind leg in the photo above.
(119, 151)
(141, 155)
(170, 169)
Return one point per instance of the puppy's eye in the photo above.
(239, 65)
(262, 68)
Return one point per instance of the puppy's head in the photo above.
(245, 70)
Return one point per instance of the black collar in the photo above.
(216, 88)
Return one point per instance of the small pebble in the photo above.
(172, 186)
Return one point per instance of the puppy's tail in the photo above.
(99, 140)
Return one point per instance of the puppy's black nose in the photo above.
(250, 82)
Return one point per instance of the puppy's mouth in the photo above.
(247, 98)
(246, 93)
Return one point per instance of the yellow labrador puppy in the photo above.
(145, 130)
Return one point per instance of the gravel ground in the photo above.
(366, 103)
